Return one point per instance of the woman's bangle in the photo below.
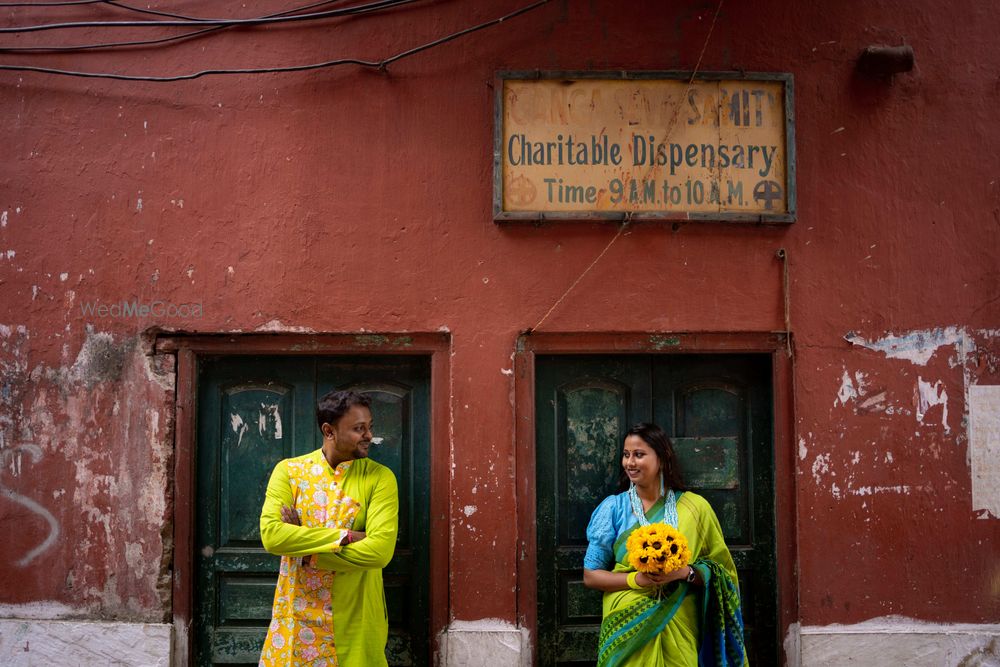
(632, 583)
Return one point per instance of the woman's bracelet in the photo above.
(632, 583)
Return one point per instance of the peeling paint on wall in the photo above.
(86, 450)
(917, 347)
(847, 391)
(927, 396)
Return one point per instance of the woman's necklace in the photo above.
(669, 507)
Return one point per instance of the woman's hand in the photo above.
(646, 579)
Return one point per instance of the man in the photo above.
(329, 606)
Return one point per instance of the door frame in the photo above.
(188, 348)
(776, 344)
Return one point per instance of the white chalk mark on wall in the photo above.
(238, 427)
(984, 448)
(929, 395)
(269, 413)
(13, 454)
(916, 347)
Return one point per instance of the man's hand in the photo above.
(289, 515)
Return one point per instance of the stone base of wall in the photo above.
(486, 642)
(900, 641)
(31, 642)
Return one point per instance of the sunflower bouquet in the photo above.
(657, 548)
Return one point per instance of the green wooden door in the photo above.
(718, 410)
(255, 411)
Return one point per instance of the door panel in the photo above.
(249, 419)
(584, 407)
(255, 411)
(717, 408)
(400, 392)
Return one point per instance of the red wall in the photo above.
(348, 199)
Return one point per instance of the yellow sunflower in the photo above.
(657, 547)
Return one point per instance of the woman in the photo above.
(690, 616)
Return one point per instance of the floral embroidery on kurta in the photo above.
(301, 633)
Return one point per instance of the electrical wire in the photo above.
(51, 4)
(380, 64)
(153, 12)
(202, 19)
(346, 11)
(627, 218)
(153, 42)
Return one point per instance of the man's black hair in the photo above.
(335, 405)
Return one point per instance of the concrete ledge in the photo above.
(901, 641)
(485, 642)
(31, 642)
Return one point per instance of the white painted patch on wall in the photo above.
(916, 347)
(3, 219)
(469, 510)
(488, 641)
(63, 277)
(984, 449)
(802, 449)
(792, 645)
(25, 642)
(929, 395)
(895, 640)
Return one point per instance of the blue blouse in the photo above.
(611, 518)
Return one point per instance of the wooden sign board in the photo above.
(644, 145)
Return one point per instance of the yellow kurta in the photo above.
(331, 611)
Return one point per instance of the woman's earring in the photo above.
(662, 490)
